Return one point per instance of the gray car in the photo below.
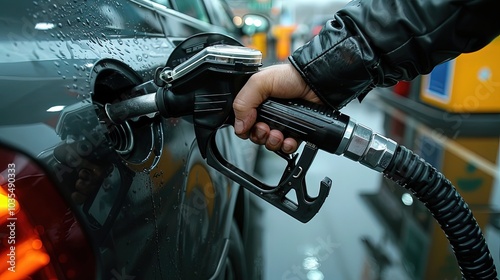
(89, 199)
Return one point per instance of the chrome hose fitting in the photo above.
(370, 149)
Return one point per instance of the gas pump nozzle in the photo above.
(201, 79)
(204, 86)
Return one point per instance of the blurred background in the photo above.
(293, 23)
(370, 228)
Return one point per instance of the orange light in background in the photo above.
(37, 244)
(4, 200)
(283, 35)
(29, 257)
(27, 221)
(23, 254)
(7, 204)
(199, 178)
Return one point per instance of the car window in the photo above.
(130, 17)
(124, 19)
(194, 8)
(222, 15)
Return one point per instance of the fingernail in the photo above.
(238, 126)
(286, 148)
(260, 133)
(273, 141)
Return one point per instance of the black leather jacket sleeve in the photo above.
(373, 43)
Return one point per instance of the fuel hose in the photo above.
(448, 208)
(337, 133)
(206, 84)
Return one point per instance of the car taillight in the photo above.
(23, 252)
(40, 237)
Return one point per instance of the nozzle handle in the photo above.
(319, 126)
(305, 121)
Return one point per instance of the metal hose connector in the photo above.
(408, 170)
(370, 149)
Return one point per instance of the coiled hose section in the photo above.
(448, 208)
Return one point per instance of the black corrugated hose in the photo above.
(448, 208)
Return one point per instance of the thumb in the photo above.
(251, 95)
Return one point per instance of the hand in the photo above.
(280, 81)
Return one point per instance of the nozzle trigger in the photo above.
(295, 178)
(306, 206)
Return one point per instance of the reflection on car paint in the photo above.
(60, 61)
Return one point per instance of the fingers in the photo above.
(290, 145)
(260, 133)
(253, 93)
(273, 139)
(279, 81)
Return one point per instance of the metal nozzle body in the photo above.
(370, 149)
(131, 108)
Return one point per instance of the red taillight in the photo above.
(40, 236)
(23, 252)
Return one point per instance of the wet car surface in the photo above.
(153, 209)
(98, 200)
(371, 228)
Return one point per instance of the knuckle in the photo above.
(239, 105)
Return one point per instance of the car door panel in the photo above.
(156, 210)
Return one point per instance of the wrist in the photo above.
(338, 64)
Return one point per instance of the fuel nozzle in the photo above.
(204, 87)
(205, 82)
(131, 108)
(163, 101)
(329, 130)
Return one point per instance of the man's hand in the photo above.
(279, 81)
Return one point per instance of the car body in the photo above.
(88, 199)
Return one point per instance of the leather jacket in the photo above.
(372, 43)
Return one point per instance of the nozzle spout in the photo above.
(131, 108)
